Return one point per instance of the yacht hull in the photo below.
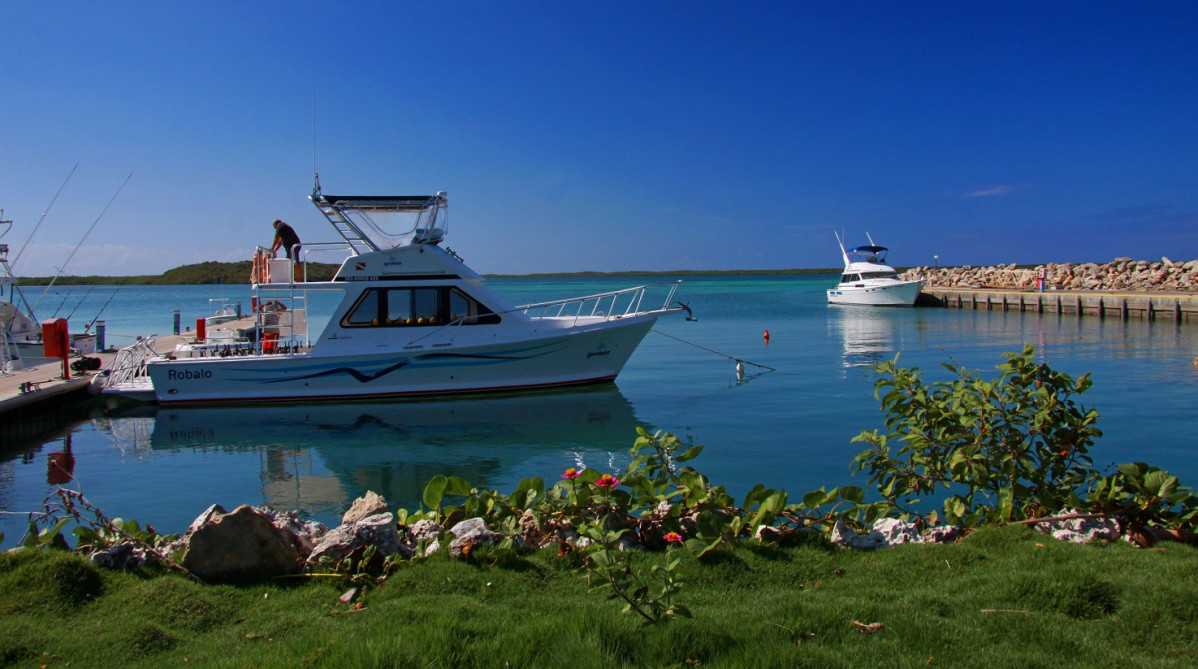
(577, 356)
(900, 294)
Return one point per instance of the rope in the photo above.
(722, 355)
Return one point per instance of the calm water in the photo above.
(789, 428)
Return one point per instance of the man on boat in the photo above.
(286, 238)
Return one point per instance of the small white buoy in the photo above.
(740, 371)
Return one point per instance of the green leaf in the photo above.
(814, 498)
(457, 486)
(434, 490)
(711, 525)
(690, 454)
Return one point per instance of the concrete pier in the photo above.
(1147, 306)
(37, 399)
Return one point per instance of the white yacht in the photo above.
(868, 280)
(412, 320)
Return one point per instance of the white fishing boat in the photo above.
(20, 333)
(412, 320)
(224, 312)
(868, 280)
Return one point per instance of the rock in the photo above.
(304, 533)
(424, 530)
(767, 533)
(530, 531)
(1079, 530)
(895, 531)
(887, 532)
(122, 556)
(628, 542)
(365, 506)
(378, 530)
(941, 534)
(845, 536)
(242, 545)
(471, 534)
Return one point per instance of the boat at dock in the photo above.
(20, 332)
(412, 320)
(224, 311)
(867, 279)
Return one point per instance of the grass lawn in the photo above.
(1002, 597)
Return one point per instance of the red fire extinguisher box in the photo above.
(56, 342)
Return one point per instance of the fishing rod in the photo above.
(85, 235)
(43, 218)
(93, 321)
(79, 303)
(65, 297)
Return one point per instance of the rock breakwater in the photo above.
(1122, 274)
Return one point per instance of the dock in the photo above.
(37, 399)
(1145, 306)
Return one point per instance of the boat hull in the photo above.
(571, 357)
(899, 294)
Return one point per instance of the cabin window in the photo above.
(468, 310)
(365, 312)
(432, 305)
(849, 278)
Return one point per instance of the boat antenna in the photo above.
(315, 174)
(89, 231)
(47, 211)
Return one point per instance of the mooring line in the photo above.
(722, 355)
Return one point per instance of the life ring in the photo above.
(261, 270)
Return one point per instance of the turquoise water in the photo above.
(790, 428)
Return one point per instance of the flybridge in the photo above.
(377, 222)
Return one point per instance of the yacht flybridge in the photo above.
(413, 319)
(868, 280)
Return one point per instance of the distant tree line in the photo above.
(239, 272)
(200, 273)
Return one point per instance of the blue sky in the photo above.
(606, 135)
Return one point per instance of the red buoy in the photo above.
(767, 336)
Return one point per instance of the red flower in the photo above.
(571, 474)
(673, 538)
(607, 481)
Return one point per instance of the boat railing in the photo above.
(614, 304)
(129, 364)
(619, 304)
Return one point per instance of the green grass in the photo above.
(1003, 597)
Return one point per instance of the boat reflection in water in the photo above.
(869, 335)
(317, 459)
